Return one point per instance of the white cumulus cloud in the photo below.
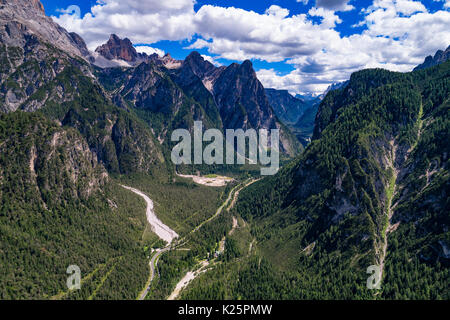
(142, 21)
(150, 50)
(397, 35)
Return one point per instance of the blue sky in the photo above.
(299, 45)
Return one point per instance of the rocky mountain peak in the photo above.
(246, 69)
(195, 57)
(439, 57)
(247, 64)
(117, 48)
(199, 66)
(22, 19)
(36, 5)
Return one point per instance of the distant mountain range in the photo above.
(222, 97)
(225, 98)
(439, 57)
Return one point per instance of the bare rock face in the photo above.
(119, 52)
(20, 19)
(80, 44)
(117, 48)
(34, 52)
(35, 5)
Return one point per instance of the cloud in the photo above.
(277, 11)
(272, 36)
(335, 5)
(295, 82)
(150, 50)
(212, 60)
(397, 35)
(330, 19)
(142, 21)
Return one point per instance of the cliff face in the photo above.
(38, 73)
(22, 19)
(44, 156)
(28, 70)
(34, 51)
(35, 6)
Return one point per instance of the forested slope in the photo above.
(371, 189)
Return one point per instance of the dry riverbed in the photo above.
(158, 227)
(210, 181)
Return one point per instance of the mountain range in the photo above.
(438, 58)
(366, 179)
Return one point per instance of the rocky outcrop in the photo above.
(27, 71)
(238, 95)
(35, 5)
(81, 45)
(119, 52)
(45, 156)
(38, 75)
(241, 98)
(117, 48)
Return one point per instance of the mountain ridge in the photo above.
(229, 97)
(288, 108)
(362, 193)
(438, 58)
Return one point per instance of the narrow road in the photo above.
(233, 195)
(153, 264)
(161, 230)
(191, 275)
(168, 235)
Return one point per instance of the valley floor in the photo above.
(174, 243)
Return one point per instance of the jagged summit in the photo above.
(31, 4)
(20, 19)
(121, 52)
(439, 57)
(247, 64)
(117, 48)
(198, 65)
